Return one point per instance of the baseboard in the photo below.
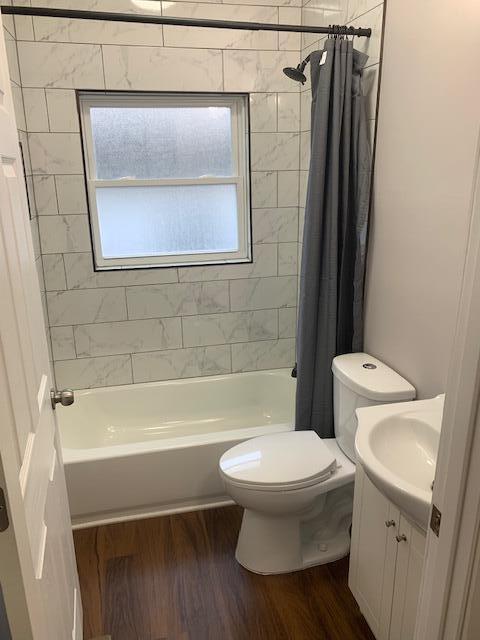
(97, 519)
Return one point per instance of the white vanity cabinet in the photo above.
(386, 560)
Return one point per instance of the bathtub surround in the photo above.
(121, 327)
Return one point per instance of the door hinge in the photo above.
(3, 512)
(435, 520)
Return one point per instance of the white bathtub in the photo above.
(141, 450)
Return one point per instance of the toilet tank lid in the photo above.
(371, 378)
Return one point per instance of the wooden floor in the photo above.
(176, 578)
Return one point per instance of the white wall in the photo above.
(428, 123)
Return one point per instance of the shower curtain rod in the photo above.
(181, 22)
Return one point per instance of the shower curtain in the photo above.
(330, 318)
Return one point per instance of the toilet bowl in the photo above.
(296, 488)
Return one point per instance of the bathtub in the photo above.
(141, 450)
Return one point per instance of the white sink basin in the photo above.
(397, 446)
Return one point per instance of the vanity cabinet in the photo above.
(386, 560)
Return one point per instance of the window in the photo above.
(167, 178)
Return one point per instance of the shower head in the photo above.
(296, 73)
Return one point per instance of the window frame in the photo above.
(240, 119)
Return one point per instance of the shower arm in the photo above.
(182, 22)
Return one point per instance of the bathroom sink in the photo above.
(397, 446)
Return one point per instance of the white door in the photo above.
(38, 576)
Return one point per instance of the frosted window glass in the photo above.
(161, 142)
(167, 220)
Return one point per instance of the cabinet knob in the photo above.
(401, 538)
(389, 523)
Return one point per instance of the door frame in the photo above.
(450, 563)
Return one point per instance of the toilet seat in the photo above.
(279, 462)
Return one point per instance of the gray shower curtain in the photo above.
(330, 317)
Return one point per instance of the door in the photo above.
(373, 553)
(408, 577)
(38, 577)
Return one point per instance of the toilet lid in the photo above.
(283, 460)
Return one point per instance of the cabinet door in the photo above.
(408, 575)
(373, 553)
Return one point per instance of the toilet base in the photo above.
(271, 545)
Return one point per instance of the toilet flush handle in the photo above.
(389, 523)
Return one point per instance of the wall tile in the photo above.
(12, 57)
(287, 322)
(267, 354)
(289, 112)
(18, 107)
(54, 271)
(66, 66)
(24, 27)
(263, 293)
(60, 234)
(287, 258)
(55, 153)
(259, 70)
(23, 138)
(275, 151)
(63, 346)
(157, 301)
(305, 150)
(45, 195)
(358, 7)
(35, 237)
(62, 109)
(115, 6)
(264, 264)
(221, 38)
(181, 363)
(224, 328)
(96, 32)
(288, 188)
(85, 373)
(71, 193)
(84, 306)
(80, 274)
(264, 189)
(263, 112)
(280, 3)
(35, 109)
(289, 15)
(148, 68)
(275, 225)
(370, 46)
(132, 336)
(303, 189)
(370, 89)
(305, 110)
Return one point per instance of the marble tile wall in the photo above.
(9, 31)
(133, 326)
(360, 13)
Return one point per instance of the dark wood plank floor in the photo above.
(176, 578)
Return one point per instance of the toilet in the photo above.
(296, 488)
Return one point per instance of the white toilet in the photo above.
(297, 489)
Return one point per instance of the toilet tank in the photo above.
(359, 380)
